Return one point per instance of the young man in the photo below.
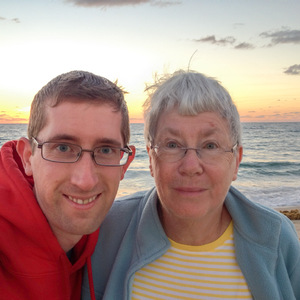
(57, 186)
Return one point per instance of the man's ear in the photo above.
(130, 159)
(25, 152)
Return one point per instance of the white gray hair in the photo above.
(191, 93)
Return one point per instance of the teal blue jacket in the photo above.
(266, 243)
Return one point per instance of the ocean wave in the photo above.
(269, 168)
(277, 196)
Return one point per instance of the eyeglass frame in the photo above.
(233, 148)
(126, 149)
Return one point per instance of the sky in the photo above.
(251, 47)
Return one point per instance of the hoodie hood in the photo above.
(32, 263)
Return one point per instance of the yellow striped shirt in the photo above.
(193, 272)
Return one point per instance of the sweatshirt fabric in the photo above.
(32, 263)
(266, 245)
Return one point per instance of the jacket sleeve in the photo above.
(289, 260)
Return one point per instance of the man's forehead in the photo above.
(74, 121)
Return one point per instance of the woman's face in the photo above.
(195, 186)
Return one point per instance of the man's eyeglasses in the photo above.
(210, 153)
(61, 152)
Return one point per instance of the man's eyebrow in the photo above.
(109, 141)
(65, 137)
(74, 139)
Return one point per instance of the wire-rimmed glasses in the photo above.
(62, 152)
(210, 153)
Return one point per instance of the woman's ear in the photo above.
(150, 161)
(238, 159)
(24, 150)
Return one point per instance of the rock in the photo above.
(293, 214)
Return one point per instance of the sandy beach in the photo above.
(289, 209)
(297, 225)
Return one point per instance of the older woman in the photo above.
(194, 236)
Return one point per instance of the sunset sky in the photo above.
(252, 47)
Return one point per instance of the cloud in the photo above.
(291, 114)
(15, 20)
(165, 3)
(107, 3)
(136, 120)
(293, 70)
(244, 46)
(237, 25)
(7, 119)
(229, 40)
(212, 40)
(282, 37)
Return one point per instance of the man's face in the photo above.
(75, 197)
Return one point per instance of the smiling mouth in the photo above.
(190, 190)
(82, 201)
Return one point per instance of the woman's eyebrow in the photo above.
(203, 132)
(211, 131)
(170, 131)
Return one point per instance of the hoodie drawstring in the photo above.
(90, 277)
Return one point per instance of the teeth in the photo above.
(81, 201)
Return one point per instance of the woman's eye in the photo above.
(171, 145)
(211, 146)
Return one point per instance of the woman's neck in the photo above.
(195, 232)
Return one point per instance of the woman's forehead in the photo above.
(205, 124)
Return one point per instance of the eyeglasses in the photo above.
(210, 153)
(69, 153)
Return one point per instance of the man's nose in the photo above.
(84, 173)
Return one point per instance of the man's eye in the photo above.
(63, 148)
(105, 150)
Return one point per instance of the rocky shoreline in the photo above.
(293, 213)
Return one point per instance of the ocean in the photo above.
(269, 173)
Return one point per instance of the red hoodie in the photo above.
(32, 263)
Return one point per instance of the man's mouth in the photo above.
(82, 201)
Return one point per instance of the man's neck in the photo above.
(67, 242)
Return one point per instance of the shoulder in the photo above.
(128, 204)
(129, 201)
(257, 221)
(239, 205)
(125, 209)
